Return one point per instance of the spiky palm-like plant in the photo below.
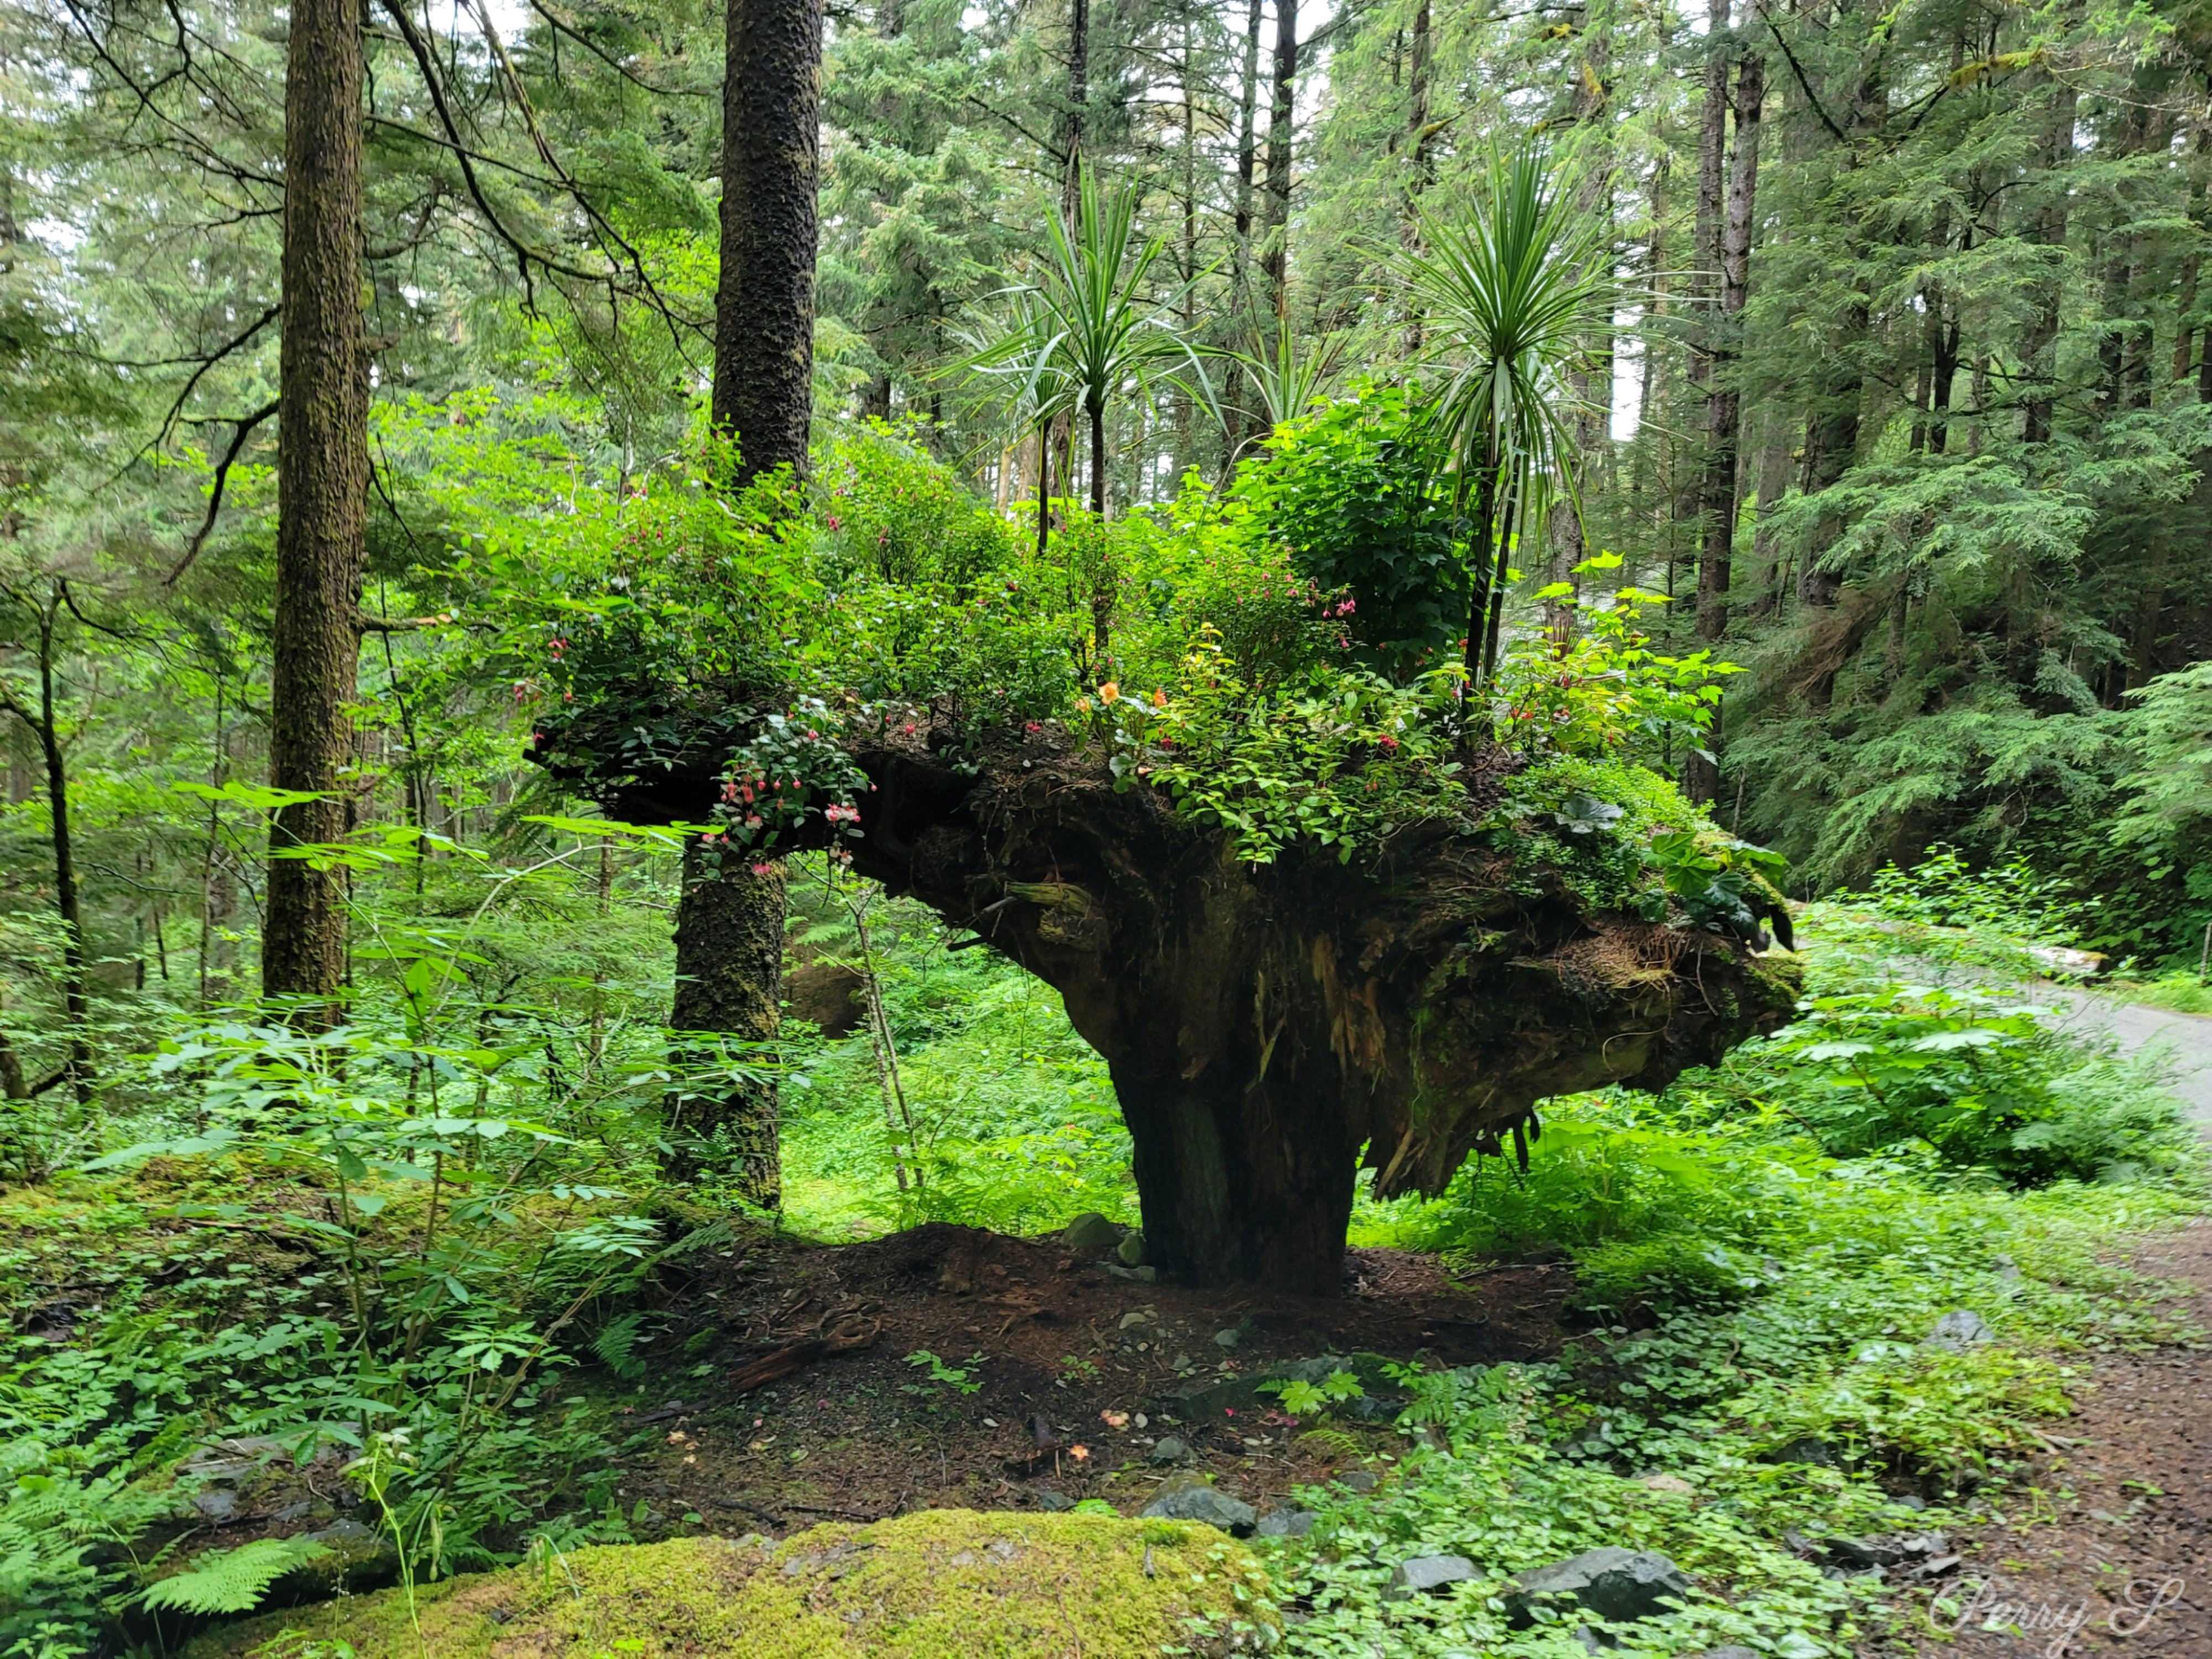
(1087, 330)
(1508, 300)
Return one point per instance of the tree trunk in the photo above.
(2040, 354)
(322, 495)
(729, 923)
(729, 926)
(1282, 115)
(1079, 103)
(1592, 379)
(763, 393)
(1417, 153)
(1723, 402)
(76, 967)
(1247, 144)
(1262, 1023)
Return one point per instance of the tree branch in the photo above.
(245, 425)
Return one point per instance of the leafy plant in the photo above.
(1303, 1399)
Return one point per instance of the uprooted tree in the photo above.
(1270, 1027)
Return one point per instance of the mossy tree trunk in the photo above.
(729, 923)
(322, 495)
(1264, 1025)
(729, 966)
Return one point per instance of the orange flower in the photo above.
(1159, 699)
(1083, 705)
(1108, 692)
(1080, 1453)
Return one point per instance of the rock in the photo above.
(1142, 1275)
(1594, 1641)
(1092, 1234)
(1911, 1501)
(1131, 1250)
(1192, 1500)
(1358, 1479)
(1183, 1362)
(1055, 1502)
(1959, 1330)
(216, 1503)
(1228, 1338)
(1860, 1553)
(1673, 1484)
(1138, 1316)
(1113, 1587)
(1614, 1583)
(1169, 1450)
(1424, 1575)
(359, 1558)
(1808, 1450)
(2006, 1267)
(1287, 1523)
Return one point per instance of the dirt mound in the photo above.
(1069, 1378)
(949, 1582)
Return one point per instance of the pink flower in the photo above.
(761, 869)
(753, 820)
(1032, 726)
(1388, 741)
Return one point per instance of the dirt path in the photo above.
(2109, 1548)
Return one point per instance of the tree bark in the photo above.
(1078, 104)
(1417, 152)
(1723, 398)
(729, 929)
(1282, 115)
(2040, 354)
(1723, 402)
(763, 394)
(729, 923)
(1263, 1024)
(322, 494)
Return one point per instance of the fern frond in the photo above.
(233, 1581)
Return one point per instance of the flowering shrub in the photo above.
(794, 769)
(1341, 761)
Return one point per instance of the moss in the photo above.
(927, 1586)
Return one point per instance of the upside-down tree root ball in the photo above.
(1271, 1028)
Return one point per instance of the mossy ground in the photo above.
(938, 1582)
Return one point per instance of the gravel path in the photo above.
(2187, 1038)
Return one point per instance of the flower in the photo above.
(1159, 699)
(1388, 741)
(1032, 726)
(1114, 1419)
(761, 869)
(1108, 692)
(1083, 705)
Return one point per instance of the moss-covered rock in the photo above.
(937, 1584)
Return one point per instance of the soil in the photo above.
(2109, 1548)
(1071, 1376)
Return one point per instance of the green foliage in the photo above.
(233, 1580)
(1356, 491)
(1978, 1080)
(894, 513)
(1339, 764)
(1303, 1399)
(938, 1374)
(1606, 692)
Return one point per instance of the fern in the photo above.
(616, 1345)
(233, 1581)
